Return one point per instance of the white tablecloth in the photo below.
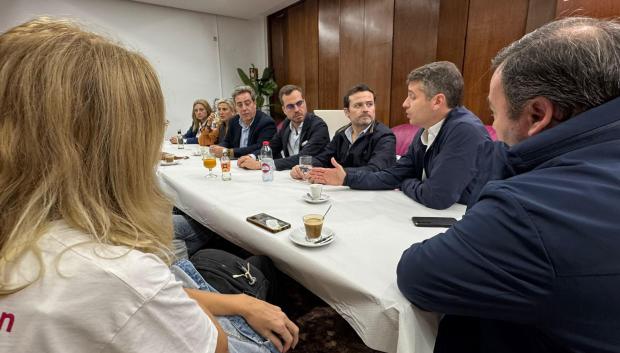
(355, 274)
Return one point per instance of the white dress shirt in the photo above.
(428, 137)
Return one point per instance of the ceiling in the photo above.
(246, 9)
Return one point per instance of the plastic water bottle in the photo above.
(225, 164)
(266, 162)
(180, 139)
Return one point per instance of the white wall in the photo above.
(180, 44)
(237, 38)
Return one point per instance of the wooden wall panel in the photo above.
(539, 12)
(277, 55)
(352, 44)
(414, 44)
(452, 30)
(277, 60)
(506, 21)
(294, 50)
(309, 48)
(329, 52)
(295, 37)
(591, 8)
(377, 53)
(326, 46)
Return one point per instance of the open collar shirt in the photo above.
(428, 137)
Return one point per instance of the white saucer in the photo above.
(298, 236)
(324, 198)
(164, 163)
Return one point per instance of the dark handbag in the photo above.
(230, 274)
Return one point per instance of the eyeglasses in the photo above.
(292, 106)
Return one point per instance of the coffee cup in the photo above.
(314, 225)
(315, 191)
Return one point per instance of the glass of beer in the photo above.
(209, 161)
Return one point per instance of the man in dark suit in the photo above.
(303, 133)
(249, 128)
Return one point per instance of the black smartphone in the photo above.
(444, 222)
(268, 222)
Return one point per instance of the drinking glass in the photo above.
(313, 224)
(209, 161)
(305, 165)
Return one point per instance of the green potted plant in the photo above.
(263, 86)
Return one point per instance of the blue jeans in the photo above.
(241, 337)
(188, 231)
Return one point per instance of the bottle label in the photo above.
(265, 167)
(226, 166)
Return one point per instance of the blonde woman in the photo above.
(84, 229)
(225, 111)
(204, 125)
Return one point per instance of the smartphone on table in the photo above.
(268, 222)
(444, 222)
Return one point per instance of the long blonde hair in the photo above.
(81, 125)
(231, 105)
(229, 102)
(209, 111)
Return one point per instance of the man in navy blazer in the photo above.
(440, 167)
(303, 133)
(533, 265)
(249, 128)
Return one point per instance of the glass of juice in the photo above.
(209, 162)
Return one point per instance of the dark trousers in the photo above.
(460, 334)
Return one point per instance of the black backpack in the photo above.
(230, 274)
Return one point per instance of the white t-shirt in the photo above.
(100, 299)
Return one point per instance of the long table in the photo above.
(355, 274)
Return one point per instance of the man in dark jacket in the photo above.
(364, 144)
(249, 128)
(533, 266)
(303, 133)
(439, 168)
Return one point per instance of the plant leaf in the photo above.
(270, 87)
(246, 80)
(267, 73)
